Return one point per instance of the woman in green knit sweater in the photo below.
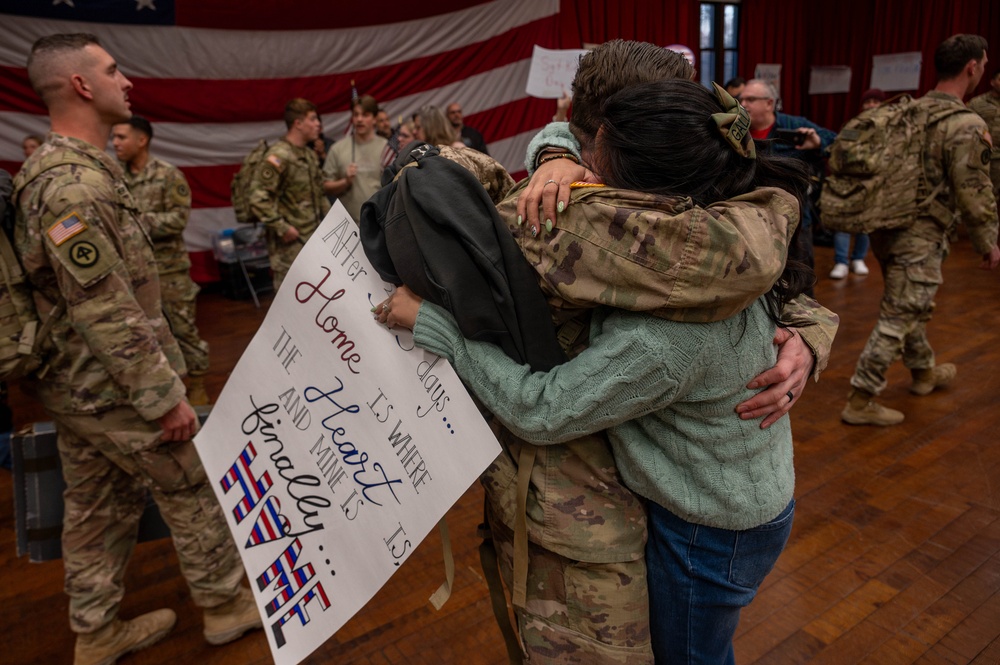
(718, 488)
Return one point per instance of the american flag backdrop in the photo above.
(213, 76)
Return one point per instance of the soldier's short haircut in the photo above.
(437, 129)
(614, 66)
(141, 124)
(298, 109)
(734, 82)
(955, 52)
(367, 104)
(48, 53)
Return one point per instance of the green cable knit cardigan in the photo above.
(666, 392)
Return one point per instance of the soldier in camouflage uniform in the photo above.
(287, 192)
(576, 574)
(111, 382)
(162, 193)
(987, 105)
(957, 155)
(643, 253)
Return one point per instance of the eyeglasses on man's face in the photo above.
(748, 99)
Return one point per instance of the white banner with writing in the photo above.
(771, 73)
(552, 71)
(897, 71)
(335, 446)
(826, 80)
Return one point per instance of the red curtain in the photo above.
(849, 33)
(662, 22)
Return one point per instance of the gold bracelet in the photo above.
(562, 155)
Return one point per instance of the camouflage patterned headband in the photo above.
(734, 124)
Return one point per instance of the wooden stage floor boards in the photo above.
(894, 556)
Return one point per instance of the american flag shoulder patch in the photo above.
(66, 228)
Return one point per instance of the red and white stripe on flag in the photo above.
(213, 93)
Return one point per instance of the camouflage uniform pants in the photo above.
(109, 460)
(578, 613)
(282, 256)
(180, 298)
(995, 169)
(911, 270)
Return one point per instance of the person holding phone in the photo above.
(789, 136)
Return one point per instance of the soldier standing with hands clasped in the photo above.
(112, 385)
(287, 192)
(162, 194)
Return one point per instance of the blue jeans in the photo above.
(700, 578)
(842, 243)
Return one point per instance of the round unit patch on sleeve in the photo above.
(84, 254)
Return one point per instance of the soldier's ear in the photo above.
(81, 86)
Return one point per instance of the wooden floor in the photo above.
(894, 556)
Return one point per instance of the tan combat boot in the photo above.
(111, 642)
(862, 409)
(232, 618)
(926, 380)
(196, 393)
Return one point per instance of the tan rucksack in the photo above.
(240, 186)
(23, 338)
(877, 180)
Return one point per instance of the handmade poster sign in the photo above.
(335, 446)
(770, 72)
(552, 71)
(897, 71)
(832, 79)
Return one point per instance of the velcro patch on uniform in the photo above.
(274, 159)
(983, 153)
(88, 258)
(84, 254)
(66, 228)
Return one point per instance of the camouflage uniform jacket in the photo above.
(987, 106)
(491, 175)
(821, 324)
(958, 155)
(668, 257)
(287, 190)
(78, 236)
(644, 253)
(162, 194)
